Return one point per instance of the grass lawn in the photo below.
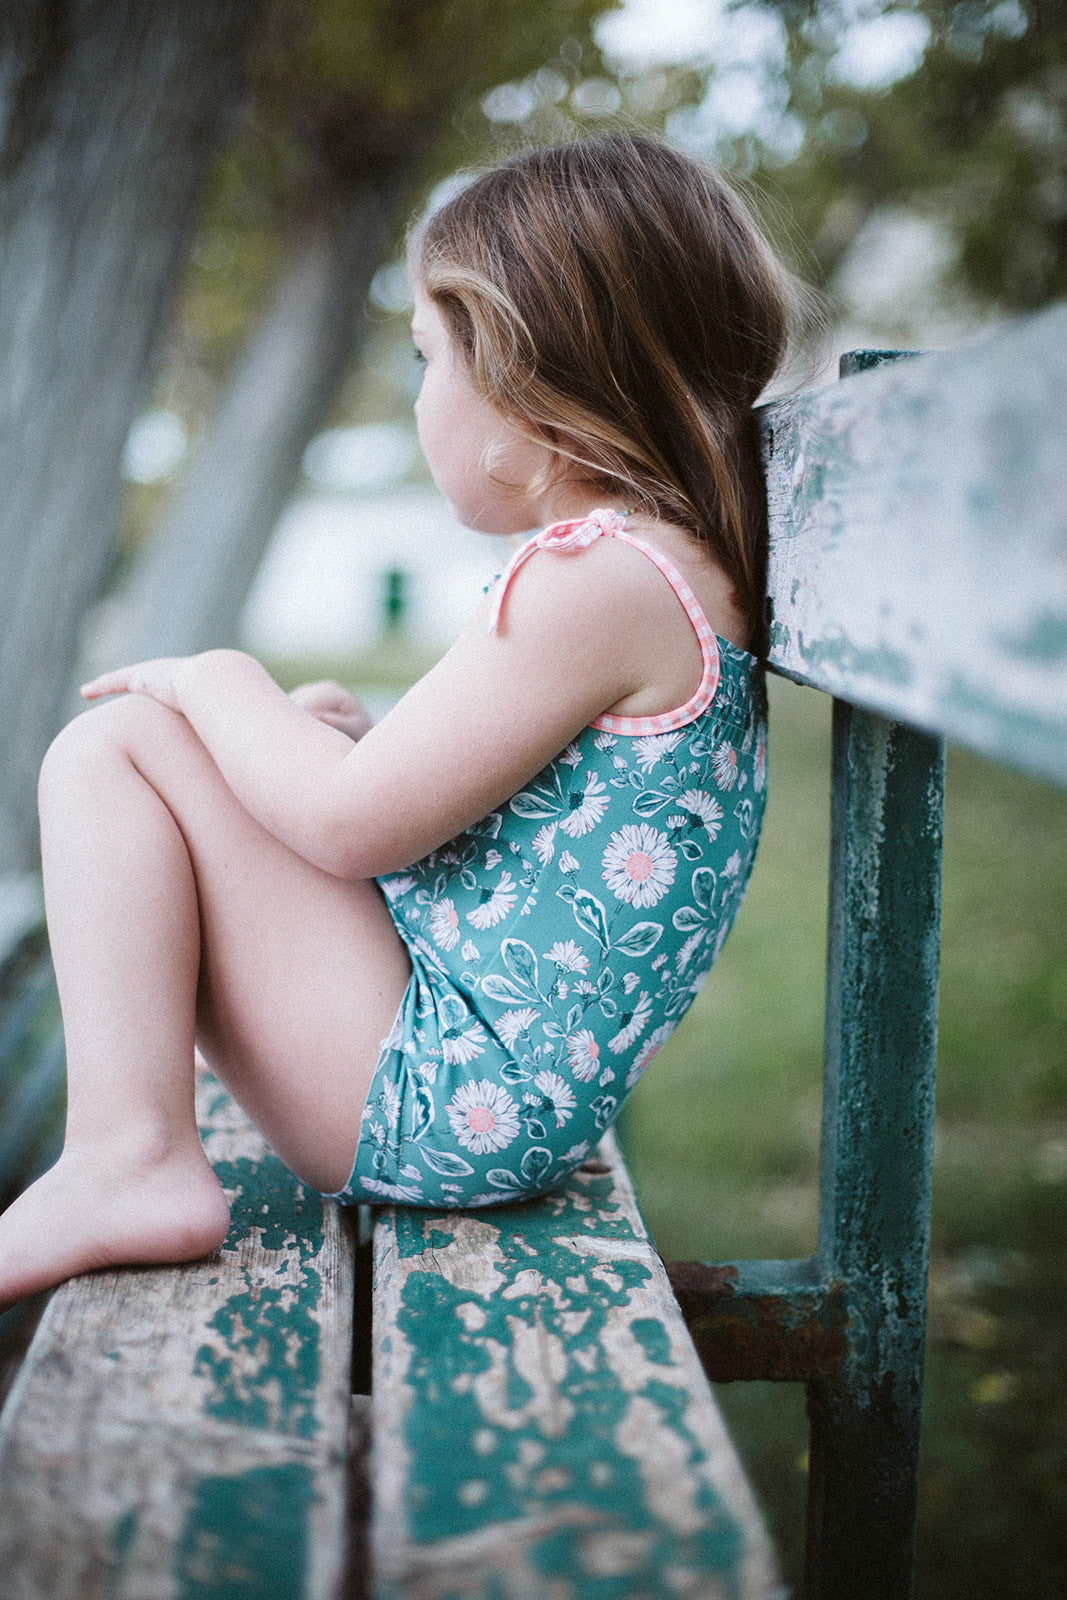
(722, 1139)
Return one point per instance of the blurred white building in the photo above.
(323, 586)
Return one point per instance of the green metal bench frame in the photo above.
(962, 443)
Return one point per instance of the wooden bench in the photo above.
(541, 1426)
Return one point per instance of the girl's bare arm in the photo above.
(465, 738)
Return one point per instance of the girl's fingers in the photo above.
(107, 683)
(353, 723)
(155, 678)
(324, 695)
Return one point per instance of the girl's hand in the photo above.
(330, 703)
(161, 679)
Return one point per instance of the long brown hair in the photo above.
(615, 299)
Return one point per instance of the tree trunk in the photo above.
(186, 592)
(113, 109)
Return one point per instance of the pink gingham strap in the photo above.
(566, 537)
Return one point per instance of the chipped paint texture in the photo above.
(543, 1429)
(918, 520)
(206, 1407)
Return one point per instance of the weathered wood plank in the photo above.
(919, 542)
(543, 1429)
(181, 1432)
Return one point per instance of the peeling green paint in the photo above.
(124, 1532)
(1043, 642)
(1030, 742)
(265, 1366)
(246, 1537)
(852, 661)
(518, 1412)
(653, 1338)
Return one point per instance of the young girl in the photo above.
(430, 958)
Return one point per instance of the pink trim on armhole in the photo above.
(565, 537)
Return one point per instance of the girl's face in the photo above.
(464, 439)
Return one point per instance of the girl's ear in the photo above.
(564, 448)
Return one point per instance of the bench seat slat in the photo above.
(543, 1428)
(182, 1431)
(918, 525)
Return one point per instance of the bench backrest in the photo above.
(919, 547)
(918, 573)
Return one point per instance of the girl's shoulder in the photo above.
(706, 580)
(594, 591)
(640, 570)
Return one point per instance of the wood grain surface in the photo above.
(543, 1428)
(181, 1432)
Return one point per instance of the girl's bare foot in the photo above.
(96, 1208)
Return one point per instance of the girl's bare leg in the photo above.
(172, 913)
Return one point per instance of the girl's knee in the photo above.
(115, 727)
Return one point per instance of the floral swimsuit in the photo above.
(556, 944)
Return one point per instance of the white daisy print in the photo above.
(568, 956)
(495, 903)
(493, 858)
(544, 843)
(690, 948)
(392, 1191)
(583, 1055)
(393, 888)
(656, 1038)
(483, 1117)
(759, 766)
(425, 948)
(701, 810)
(572, 755)
(587, 806)
(634, 1024)
(461, 1044)
(652, 747)
(577, 1152)
(470, 951)
(558, 1094)
(390, 1102)
(605, 740)
(733, 866)
(394, 1039)
(444, 924)
(629, 982)
(639, 864)
(724, 765)
(567, 862)
(514, 1023)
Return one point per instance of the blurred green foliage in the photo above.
(975, 138)
(342, 96)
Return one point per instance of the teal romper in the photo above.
(556, 944)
